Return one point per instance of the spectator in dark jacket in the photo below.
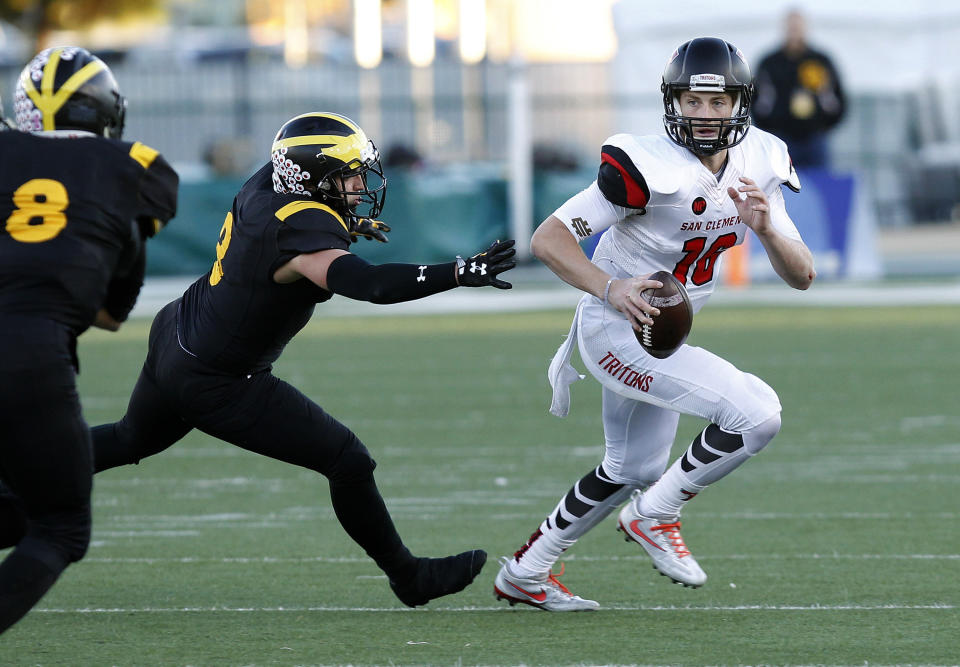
(799, 96)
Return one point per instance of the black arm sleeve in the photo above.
(355, 278)
(124, 287)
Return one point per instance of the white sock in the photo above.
(543, 551)
(666, 497)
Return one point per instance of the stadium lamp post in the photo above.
(421, 50)
(473, 49)
(296, 38)
(368, 53)
(367, 33)
(519, 145)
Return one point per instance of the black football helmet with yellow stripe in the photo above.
(313, 153)
(68, 88)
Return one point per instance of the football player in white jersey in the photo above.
(673, 202)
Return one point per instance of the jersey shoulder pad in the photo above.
(142, 154)
(309, 226)
(770, 149)
(654, 162)
(158, 182)
(308, 213)
(618, 178)
(135, 150)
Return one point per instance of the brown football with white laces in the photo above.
(672, 326)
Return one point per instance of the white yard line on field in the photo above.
(298, 609)
(531, 293)
(186, 560)
(428, 511)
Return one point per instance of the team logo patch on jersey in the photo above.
(699, 205)
(582, 227)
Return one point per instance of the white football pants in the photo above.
(643, 396)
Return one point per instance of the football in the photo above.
(672, 326)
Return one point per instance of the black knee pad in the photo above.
(717, 439)
(66, 534)
(353, 464)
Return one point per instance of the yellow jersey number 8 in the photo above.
(216, 273)
(39, 214)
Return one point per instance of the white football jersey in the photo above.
(687, 219)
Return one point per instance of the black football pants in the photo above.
(176, 393)
(45, 462)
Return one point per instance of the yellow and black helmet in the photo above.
(68, 88)
(313, 153)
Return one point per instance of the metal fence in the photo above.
(454, 114)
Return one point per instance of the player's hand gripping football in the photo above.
(626, 295)
(754, 209)
(372, 230)
(483, 268)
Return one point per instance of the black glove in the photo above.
(149, 226)
(483, 268)
(372, 230)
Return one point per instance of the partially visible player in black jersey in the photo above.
(76, 205)
(4, 123)
(283, 248)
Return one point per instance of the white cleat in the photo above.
(543, 592)
(663, 543)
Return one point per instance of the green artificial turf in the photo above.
(838, 544)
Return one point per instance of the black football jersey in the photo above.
(68, 207)
(236, 318)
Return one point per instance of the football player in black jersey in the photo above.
(4, 123)
(283, 248)
(78, 204)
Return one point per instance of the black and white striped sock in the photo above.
(587, 503)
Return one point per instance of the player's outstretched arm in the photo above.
(343, 273)
(483, 268)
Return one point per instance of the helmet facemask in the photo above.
(707, 65)
(357, 204)
(682, 129)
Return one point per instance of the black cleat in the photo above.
(437, 577)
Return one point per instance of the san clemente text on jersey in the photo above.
(698, 225)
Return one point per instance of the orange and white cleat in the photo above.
(543, 592)
(663, 543)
